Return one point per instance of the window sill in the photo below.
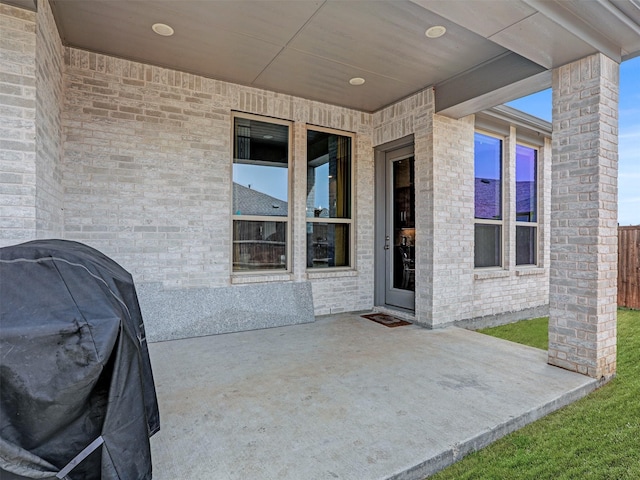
(313, 274)
(529, 271)
(261, 278)
(486, 275)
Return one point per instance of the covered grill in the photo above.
(77, 398)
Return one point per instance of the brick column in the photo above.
(584, 231)
(299, 197)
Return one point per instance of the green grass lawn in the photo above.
(597, 437)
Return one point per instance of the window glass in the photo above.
(259, 245)
(328, 175)
(526, 245)
(327, 245)
(260, 168)
(488, 245)
(488, 177)
(526, 205)
(250, 201)
(488, 200)
(260, 195)
(526, 185)
(328, 197)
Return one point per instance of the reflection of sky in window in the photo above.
(322, 186)
(487, 157)
(273, 181)
(525, 164)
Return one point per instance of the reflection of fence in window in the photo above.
(259, 245)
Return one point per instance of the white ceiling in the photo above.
(311, 48)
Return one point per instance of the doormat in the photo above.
(386, 320)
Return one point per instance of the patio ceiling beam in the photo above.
(557, 13)
(500, 80)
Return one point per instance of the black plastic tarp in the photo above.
(75, 373)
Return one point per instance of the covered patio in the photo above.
(344, 398)
(128, 139)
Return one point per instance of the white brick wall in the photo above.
(147, 174)
(453, 204)
(17, 125)
(30, 126)
(147, 169)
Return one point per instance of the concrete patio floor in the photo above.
(343, 398)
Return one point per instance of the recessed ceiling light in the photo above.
(356, 81)
(267, 137)
(162, 29)
(435, 32)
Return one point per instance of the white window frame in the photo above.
(501, 222)
(290, 197)
(343, 221)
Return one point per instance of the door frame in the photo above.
(379, 294)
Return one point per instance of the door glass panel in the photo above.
(404, 231)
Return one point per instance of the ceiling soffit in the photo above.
(311, 48)
(551, 32)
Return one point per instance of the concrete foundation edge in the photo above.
(460, 450)
(500, 318)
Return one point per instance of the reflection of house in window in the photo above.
(252, 202)
(258, 244)
(487, 197)
(526, 201)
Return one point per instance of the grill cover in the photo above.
(74, 366)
